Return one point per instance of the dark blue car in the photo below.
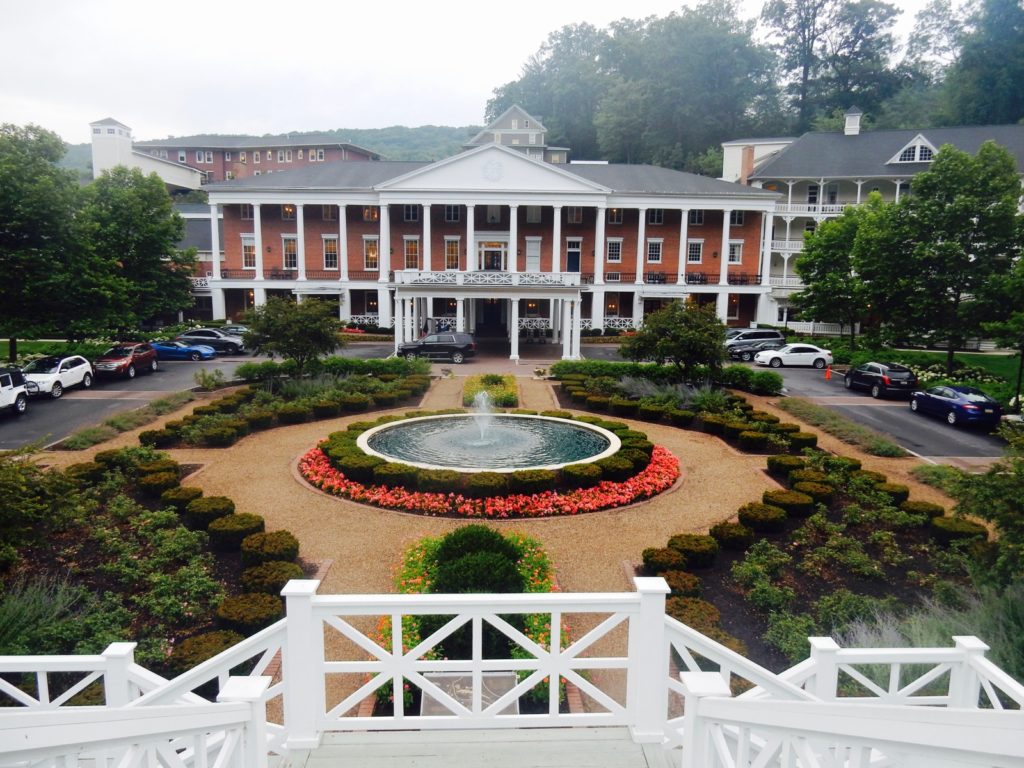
(958, 405)
(177, 350)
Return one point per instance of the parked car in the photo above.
(959, 405)
(127, 359)
(235, 330)
(179, 350)
(51, 375)
(751, 335)
(13, 394)
(213, 337)
(746, 352)
(881, 378)
(441, 346)
(794, 354)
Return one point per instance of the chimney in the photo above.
(746, 164)
(852, 127)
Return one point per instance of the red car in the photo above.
(127, 359)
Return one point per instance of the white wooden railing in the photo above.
(812, 209)
(622, 323)
(369, 320)
(785, 282)
(430, 277)
(793, 245)
(820, 329)
(840, 707)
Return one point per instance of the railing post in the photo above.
(647, 689)
(117, 691)
(964, 684)
(826, 670)
(698, 685)
(252, 691)
(304, 698)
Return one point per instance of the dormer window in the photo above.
(908, 155)
(925, 154)
(917, 151)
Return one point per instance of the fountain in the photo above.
(486, 441)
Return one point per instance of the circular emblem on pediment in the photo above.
(493, 170)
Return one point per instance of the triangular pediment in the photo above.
(492, 168)
(911, 152)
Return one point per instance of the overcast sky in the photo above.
(219, 66)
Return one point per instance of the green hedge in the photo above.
(763, 518)
(270, 577)
(203, 511)
(732, 536)
(794, 503)
(249, 612)
(946, 530)
(698, 551)
(782, 465)
(263, 547)
(227, 532)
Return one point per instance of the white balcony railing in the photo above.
(200, 283)
(623, 654)
(427, 277)
(812, 209)
(792, 245)
(794, 283)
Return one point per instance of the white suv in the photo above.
(12, 390)
(51, 375)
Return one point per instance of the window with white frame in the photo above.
(245, 211)
(736, 252)
(654, 247)
(229, 175)
(412, 252)
(256, 172)
(209, 157)
(287, 212)
(614, 250)
(694, 251)
(410, 213)
(227, 157)
(329, 213)
(371, 254)
(908, 155)
(256, 157)
(287, 155)
(656, 216)
(533, 214)
(200, 157)
(733, 313)
(181, 156)
(319, 155)
(696, 217)
(614, 215)
(371, 213)
(248, 252)
(270, 155)
(493, 214)
(290, 249)
(451, 214)
(812, 194)
(280, 155)
(451, 253)
(736, 218)
(924, 154)
(241, 158)
(330, 252)
(574, 214)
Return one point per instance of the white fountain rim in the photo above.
(614, 443)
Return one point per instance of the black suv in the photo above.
(880, 378)
(213, 337)
(441, 346)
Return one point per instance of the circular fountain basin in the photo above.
(507, 443)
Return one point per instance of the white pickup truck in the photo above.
(12, 390)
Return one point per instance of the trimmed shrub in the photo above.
(698, 551)
(180, 496)
(160, 465)
(842, 464)
(753, 441)
(682, 584)
(203, 511)
(293, 413)
(639, 458)
(659, 559)
(396, 474)
(326, 409)
(354, 403)
(206, 410)
(597, 402)
(766, 383)
(110, 457)
(195, 650)
(557, 414)
(946, 530)
(680, 418)
(923, 508)
(897, 493)
(260, 419)
(227, 533)
(158, 438)
(155, 484)
(800, 440)
(784, 428)
(581, 475)
(478, 571)
(636, 444)
(781, 465)
(869, 475)
(808, 476)
(483, 484)
(276, 545)
(530, 481)
(693, 612)
(653, 413)
(764, 417)
(360, 426)
(270, 577)
(711, 423)
(794, 503)
(250, 612)
(733, 536)
(731, 429)
(820, 492)
(623, 407)
(86, 472)
(358, 466)
(763, 518)
(615, 468)
(440, 480)
(218, 437)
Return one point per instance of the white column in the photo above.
(722, 305)
(566, 330)
(556, 316)
(513, 243)
(302, 654)
(859, 183)
(513, 324)
(342, 244)
(215, 241)
(597, 309)
(470, 238)
(385, 244)
(898, 183)
(684, 234)
(766, 246)
(599, 247)
(577, 327)
(219, 309)
(723, 254)
(460, 315)
(638, 309)
(426, 238)
(399, 323)
(413, 320)
(257, 236)
(300, 236)
(345, 305)
(259, 297)
(641, 251)
(384, 307)
(647, 692)
(556, 240)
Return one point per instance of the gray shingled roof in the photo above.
(204, 141)
(866, 155)
(197, 234)
(323, 176)
(652, 180)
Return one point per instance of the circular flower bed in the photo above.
(659, 474)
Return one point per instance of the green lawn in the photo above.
(998, 365)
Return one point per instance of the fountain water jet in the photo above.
(483, 412)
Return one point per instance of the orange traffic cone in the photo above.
(828, 373)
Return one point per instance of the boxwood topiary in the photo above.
(397, 474)
(615, 468)
(439, 480)
(155, 484)
(698, 551)
(732, 536)
(946, 530)
(897, 493)
(869, 475)
(844, 464)
(325, 409)
(530, 481)
(227, 533)
(639, 458)
(86, 472)
(822, 493)
(474, 538)
(659, 559)
(764, 417)
(731, 429)
(753, 441)
(293, 413)
(218, 437)
(160, 465)
(711, 423)
(193, 651)
(270, 577)
(784, 428)
(680, 418)
(478, 571)
(795, 504)
(240, 426)
(180, 496)
(249, 612)
(808, 476)
(597, 402)
(260, 419)
(483, 484)
(158, 438)
(682, 583)
(203, 511)
(276, 545)
(653, 413)
(646, 446)
(385, 399)
(800, 440)
(355, 402)
(763, 518)
(923, 508)
(620, 406)
(557, 414)
(781, 466)
(358, 466)
(693, 612)
(581, 475)
(109, 458)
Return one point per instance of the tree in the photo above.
(132, 222)
(682, 333)
(297, 331)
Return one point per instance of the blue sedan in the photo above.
(958, 405)
(177, 350)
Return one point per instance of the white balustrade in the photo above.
(425, 277)
(820, 329)
(200, 282)
(622, 323)
(534, 323)
(370, 320)
(812, 209)
(785, 282)
(788, 246)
